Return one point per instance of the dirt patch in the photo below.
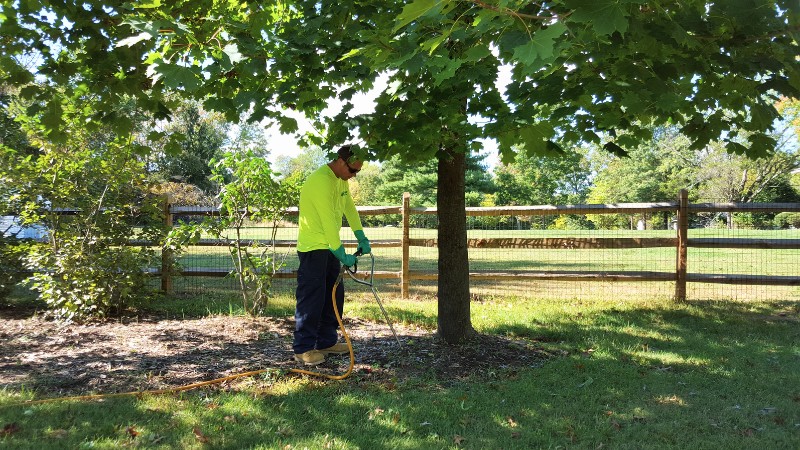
(133, 355)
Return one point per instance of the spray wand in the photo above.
(371, 284)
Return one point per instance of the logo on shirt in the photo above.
(343, 194)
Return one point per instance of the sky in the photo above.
(363, 103)
(284, 144)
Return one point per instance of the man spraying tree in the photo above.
(324, 199)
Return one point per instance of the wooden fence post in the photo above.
(167, 255)
(405, 263)
(683, 232)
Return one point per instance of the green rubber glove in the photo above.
(344, 258)
(363, 242)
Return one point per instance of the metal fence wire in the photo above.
(569, 252)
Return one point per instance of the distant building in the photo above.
(10, 227)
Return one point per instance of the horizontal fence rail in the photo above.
(680, 242)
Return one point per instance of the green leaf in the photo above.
(615, 149)
(30, 91)
(415, 10)
(505, 145)
(288, 125)
(432, 44)
(155, 135)
(735, 147)
(605, 16)
(763, 115)
(174, 76)
(536, 138)
(448, 71)
(351, 53)
(761, 145)
(52, 117)
(147, 4)
(477, 53)
(541, 46)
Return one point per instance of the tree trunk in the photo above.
(454, 325)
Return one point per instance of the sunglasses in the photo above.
(352, 169)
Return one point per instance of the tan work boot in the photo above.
(337, 349)
(310, 358)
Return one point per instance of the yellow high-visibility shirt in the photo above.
(324, 198)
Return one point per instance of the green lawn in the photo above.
(734, 261)
(628, 373)
(701, 260)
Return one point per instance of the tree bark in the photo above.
(454, 325)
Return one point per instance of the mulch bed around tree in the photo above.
(55, 359)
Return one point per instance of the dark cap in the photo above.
(345, 152)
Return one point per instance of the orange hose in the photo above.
(223, 379)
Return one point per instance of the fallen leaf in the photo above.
(396, 418)
(516, 435)
(199, 435)
(375, 413)
(458, 439)
(9, 429)
(511, 422)
(132, 432)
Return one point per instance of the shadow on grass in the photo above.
(699, 375)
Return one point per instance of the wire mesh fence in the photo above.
(582, 252)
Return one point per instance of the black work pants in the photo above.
(315, 320)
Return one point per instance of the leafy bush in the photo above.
(87, 189)
(87, 281)
(11, 264)
(249, 190)
(787, 220)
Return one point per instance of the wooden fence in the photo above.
(681, 208)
